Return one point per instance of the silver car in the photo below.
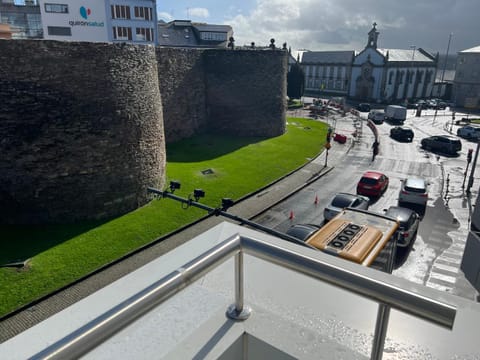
(408, 221)
(413, 191)
(343, 200)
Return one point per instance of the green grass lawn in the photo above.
(235, 167)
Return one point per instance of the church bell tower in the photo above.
(372, 37)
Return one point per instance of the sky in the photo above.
(321, 25)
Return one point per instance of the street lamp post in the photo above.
(446, 58)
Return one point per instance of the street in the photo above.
(435, 256)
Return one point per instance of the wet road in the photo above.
(435, 256)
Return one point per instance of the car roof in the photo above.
(400, 213)
(372, 174)
(450, 137)
(417, 183)
(302, 231)
(348, 196)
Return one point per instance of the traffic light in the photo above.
(469, 155)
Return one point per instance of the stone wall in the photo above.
(182, 85)
(241, 92)
(246, 92)
(81, 130)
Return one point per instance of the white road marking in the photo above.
(448, 268)
(446, 278)
(439, 287)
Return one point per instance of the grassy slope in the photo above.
(61, 254)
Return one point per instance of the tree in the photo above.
(295, 82)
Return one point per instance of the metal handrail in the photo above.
(106, 325)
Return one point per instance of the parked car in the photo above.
(469, 132)
(396, 114)
(377, 116)
(408, 221)
(421, 103)
(341, 139)
(413, 190)
(441, 105)
(343, 200)
(402, 133)
(372, 183)
(442, 143)
(364, 107)
(302, 231)
(432, 103)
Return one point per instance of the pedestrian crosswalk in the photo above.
(445, 271)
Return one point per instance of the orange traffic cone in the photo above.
(291, 217)
(316, 199)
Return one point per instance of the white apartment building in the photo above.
(132, 21)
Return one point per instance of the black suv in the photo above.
(364, 107)
(402, 133)
(442, 143)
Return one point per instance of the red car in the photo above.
(372, 183)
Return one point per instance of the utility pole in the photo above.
(446, 58)
(472, 172)
(469, 160)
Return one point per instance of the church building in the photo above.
(375, 74)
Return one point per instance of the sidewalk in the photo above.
(247, 208)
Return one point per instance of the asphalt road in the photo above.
(435, 256)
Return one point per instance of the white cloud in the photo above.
(344, 24)
(164, 16)
(198, 13)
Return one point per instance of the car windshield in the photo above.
(368, 181)
(341, 201)
(415, 185)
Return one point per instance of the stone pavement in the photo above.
(246, 208)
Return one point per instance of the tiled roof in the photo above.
(184, 33)
(176, 36)
(212, 28)
(405, 55)
(328, 57)
(475, 49)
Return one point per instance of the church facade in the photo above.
(376, 74)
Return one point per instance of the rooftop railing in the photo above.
(385, 294)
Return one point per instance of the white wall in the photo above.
(88, 24)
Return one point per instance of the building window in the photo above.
(120, 11)
(144, 34)
(59, 30)
(428, 76)
(213, 36)
(56, 8)
(390, 78)
(142, 12)
(122, 33)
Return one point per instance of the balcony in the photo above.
(235, 293)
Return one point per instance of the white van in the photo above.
(377, 116)
(396, 114)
